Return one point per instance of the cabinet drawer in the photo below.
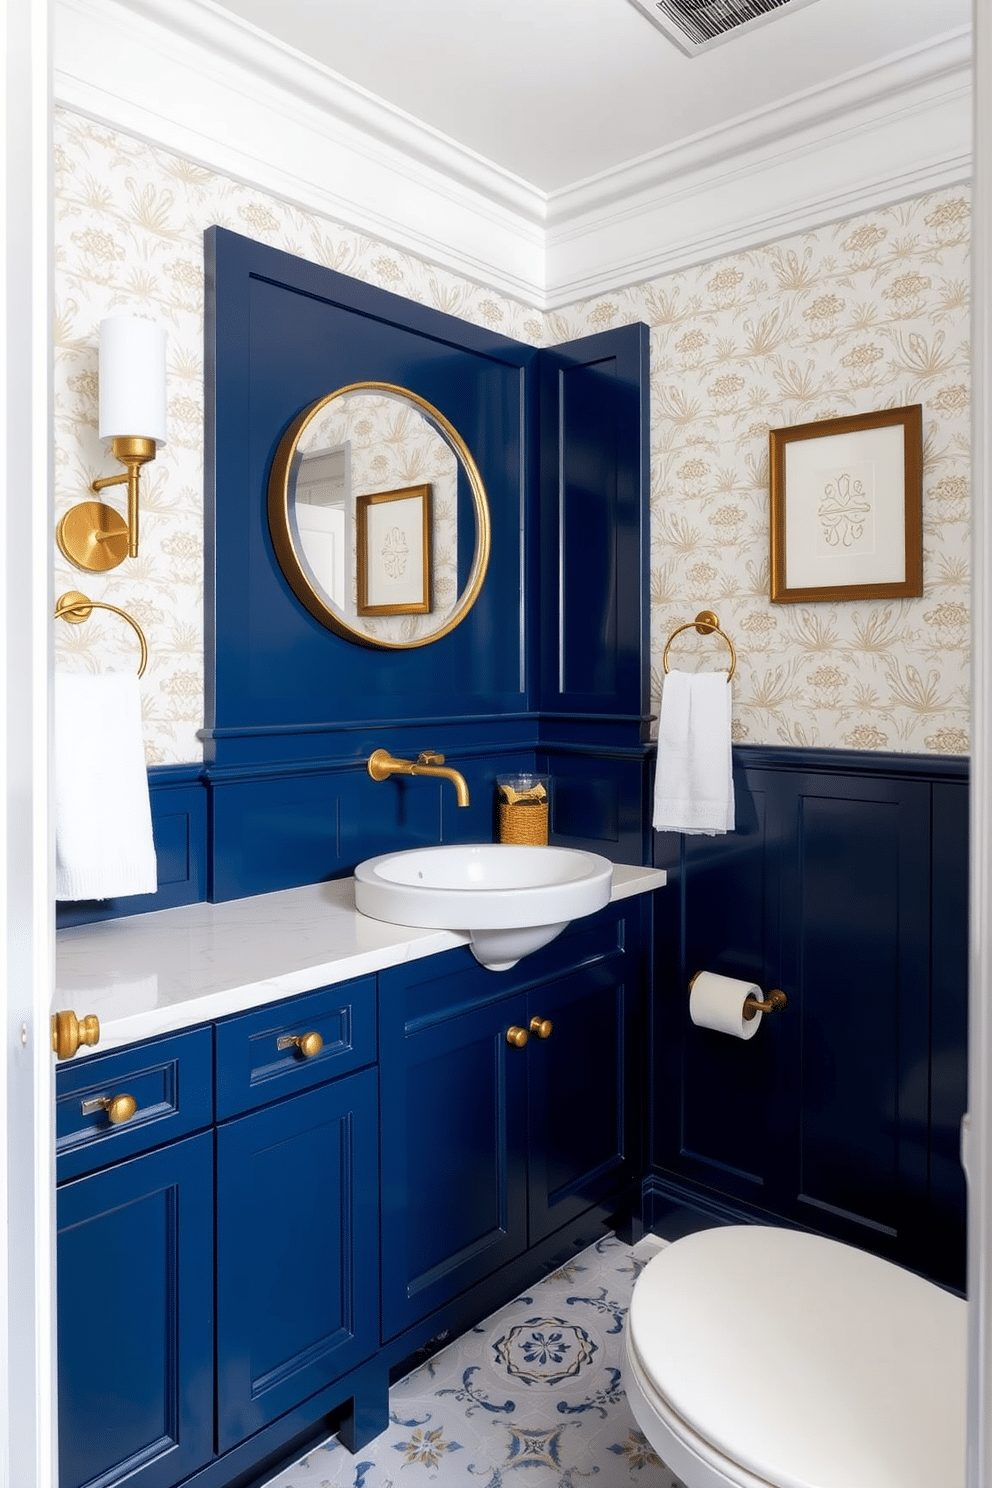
(170, 1081)
(252, 1069)
(430, 990)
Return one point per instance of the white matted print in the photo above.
(394, 552)
(846, 508)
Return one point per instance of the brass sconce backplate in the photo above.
(94, 536)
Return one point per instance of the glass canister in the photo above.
(522, 808)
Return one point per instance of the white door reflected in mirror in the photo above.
(323, 502)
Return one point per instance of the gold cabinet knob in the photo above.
(516, 1037)
(308, 1044)
(68, 1032)
(541, 1028)
(119, 1108)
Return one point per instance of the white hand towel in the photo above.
(103, 819)
(694, 786)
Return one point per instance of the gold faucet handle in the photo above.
(430, 757)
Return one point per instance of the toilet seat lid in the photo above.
(809, 1363)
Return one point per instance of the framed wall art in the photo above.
(393, 540)
(847, 507)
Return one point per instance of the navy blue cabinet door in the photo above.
(297, 1238)
(488, 1147)
(135, 1320)
(454, 1158)
(582, 1092)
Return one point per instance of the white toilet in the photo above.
(768, 1358)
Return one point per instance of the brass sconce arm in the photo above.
(382, 764)
(132, 452)
(95, 536)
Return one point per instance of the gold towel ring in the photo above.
(705, 623)
(76, 608)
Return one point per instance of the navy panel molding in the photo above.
(178, 796)
(595, 464)
(857, 762)
(845, 884)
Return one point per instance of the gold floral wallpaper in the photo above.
(868, 313)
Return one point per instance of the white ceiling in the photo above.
(555, 92)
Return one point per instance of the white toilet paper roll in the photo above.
(718, 1002)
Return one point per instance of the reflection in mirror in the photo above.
(374, 504)
(322, 501)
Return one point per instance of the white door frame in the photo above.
(979, 1143)
(28, 1447)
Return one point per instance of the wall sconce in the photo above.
(93, 535)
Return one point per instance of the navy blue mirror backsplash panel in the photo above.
(294, 710)
(285, 333)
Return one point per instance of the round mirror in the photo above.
(376, 510)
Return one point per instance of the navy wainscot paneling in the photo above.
(178, 797)
(845, 884)
(945, 1232)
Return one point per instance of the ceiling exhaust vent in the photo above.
(697, 25)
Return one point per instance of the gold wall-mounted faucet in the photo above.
(382, 764)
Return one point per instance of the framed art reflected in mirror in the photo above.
(394, 552)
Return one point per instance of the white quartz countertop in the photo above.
(150, 974)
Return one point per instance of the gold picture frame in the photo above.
(847, 507)
(393, 539)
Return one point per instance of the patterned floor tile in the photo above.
(531, 1398)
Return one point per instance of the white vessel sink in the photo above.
(510, 900)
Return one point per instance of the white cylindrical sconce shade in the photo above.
(132, 379)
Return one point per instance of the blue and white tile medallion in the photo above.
(531, 1398)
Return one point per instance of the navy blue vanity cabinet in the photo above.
(135, 1264)
(297, 1205)
(491, 1141)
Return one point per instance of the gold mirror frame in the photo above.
(280, 496)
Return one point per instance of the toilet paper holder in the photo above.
(773, 1003)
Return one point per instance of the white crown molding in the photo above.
(190, 78)
(183, 75)
(877, 136)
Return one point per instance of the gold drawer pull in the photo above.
(119, 1108)
(308, 1044)
(541, 1028)
(68, 1032)
(516, 1037)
